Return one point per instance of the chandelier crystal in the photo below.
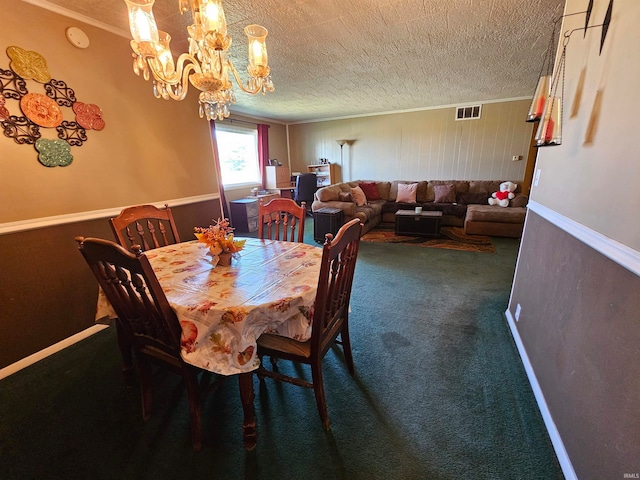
(206, 66)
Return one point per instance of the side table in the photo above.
(326, 220)
(244, 214)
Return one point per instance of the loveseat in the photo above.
(464, 203)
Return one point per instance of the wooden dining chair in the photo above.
(279, 220)
(145, 225)
(148, 321)
(330, 318)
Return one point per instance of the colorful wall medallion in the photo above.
(26, 115)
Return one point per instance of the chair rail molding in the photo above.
(23, 225)
(623, 255)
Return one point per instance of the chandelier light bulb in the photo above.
(214, 19)
(257, 53)
(141, 21)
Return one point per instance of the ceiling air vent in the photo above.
(468, 113)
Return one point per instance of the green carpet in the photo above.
(439, 393)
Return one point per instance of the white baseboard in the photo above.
(55, 348)
(554, 434)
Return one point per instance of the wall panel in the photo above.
(422, 145)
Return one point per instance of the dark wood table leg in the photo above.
(124, 345)
(249, 423)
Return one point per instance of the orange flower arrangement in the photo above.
(219, 237)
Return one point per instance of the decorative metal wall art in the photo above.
(53, 153)
(29, 65)
(43, 110)
(4, 113)
(13, 86)
(59, 91)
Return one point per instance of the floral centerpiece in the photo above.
(219, 238)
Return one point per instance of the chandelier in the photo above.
(206, 66)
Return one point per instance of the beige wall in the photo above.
(278, 142)
(597, 185)
(150, 150)
(425, 145)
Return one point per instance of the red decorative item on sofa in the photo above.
(370, 190)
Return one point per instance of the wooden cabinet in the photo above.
(277, 177)
(244, 212)
(327, 174)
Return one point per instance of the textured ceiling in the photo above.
(339, 58)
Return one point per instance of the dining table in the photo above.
(270, 286)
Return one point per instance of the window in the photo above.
(238, 153)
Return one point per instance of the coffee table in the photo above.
(424, 224)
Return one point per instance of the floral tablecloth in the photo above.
(271, 286)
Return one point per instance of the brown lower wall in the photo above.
(47, 292)
(580, 326)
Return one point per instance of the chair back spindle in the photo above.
(145, 225)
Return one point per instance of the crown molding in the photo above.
(44, 4)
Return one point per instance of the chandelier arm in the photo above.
(180, 73)
(176, 84)
(179, 91)
(239, 80)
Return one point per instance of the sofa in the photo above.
(464, 203)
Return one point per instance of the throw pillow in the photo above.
(345, 197)
(519, 201)
(358, 196)
(407, 192)
(444, 193)
(370, 190)
(471, 198)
